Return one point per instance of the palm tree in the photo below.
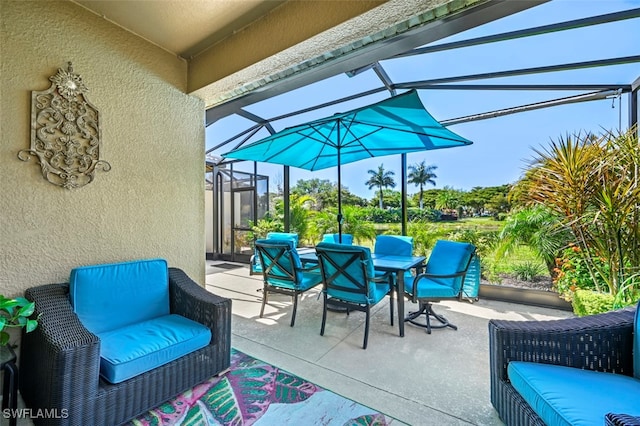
(420, 175)
(380, 179)
(447, 199)
(539, 228)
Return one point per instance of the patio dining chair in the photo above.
(443, 279)
(349, 281)
(255, 267)
(283, 272)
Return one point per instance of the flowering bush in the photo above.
(572, 272)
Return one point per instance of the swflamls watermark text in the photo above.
(30, 413)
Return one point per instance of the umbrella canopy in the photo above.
(397, 125)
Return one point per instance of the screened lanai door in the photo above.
(240, 199)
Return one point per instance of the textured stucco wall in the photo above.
(151, 204)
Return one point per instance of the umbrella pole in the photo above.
(339, 200)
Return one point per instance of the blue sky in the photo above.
(502, 146)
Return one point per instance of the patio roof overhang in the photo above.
(432, 22)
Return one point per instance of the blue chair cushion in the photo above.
(111, 296)
(448, 257)
(285, 263)
(375, 291)
(335, 238)
(352, 249)
(395, 245)
(303, 280)
(636, 344)
(284, 236)
(256, 265)
(137, 348)
(573, 397)
(428, 288)
(306, 281)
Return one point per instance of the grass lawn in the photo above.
(521, 260)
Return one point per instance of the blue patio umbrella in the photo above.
(397, 125)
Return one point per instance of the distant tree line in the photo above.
(479, 201)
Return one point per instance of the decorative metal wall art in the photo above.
(65, 132)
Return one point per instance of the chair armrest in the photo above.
(386, 278)
(313, 268)
(428, 275)
(60, 352)
(192, 301)
(601, 342)
(621, 420)
(253, 264)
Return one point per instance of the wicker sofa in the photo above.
(603, 343)
(60, 360)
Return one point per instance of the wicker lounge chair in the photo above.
(601, 343)
(62, 359)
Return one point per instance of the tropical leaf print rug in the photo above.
(256, 393)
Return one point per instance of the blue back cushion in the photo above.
(449, 257)
(355, 270)
(396, 245)
(288, 264)
(284, 236)
(110, 296)
(636, 344)
(352, 249)
(335, 238)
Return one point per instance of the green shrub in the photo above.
(263, 227)
(424, 235)
(527, 271)
(587, 302)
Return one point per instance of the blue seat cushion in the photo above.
(377, 292)
(137, 348)
(110, 296)
(306, 281)
(571, 396)
(428, 288)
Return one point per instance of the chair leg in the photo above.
(366, 329)
(295, 308)
(264, 300)
(391, 291)
(427, 309)
(324, 314)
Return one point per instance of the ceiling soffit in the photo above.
(184, 28)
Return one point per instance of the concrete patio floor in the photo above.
(420, 379)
